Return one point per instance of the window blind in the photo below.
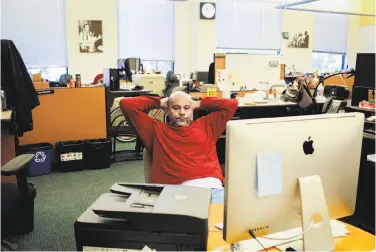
(146, 29)
(248, 25)
(37, 28)
(330, 33)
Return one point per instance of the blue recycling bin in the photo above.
(41, 165)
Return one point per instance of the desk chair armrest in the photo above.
(16, 165)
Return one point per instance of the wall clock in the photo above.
(207, 10)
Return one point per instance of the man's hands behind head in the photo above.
(164, 102)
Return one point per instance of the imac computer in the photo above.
(319, 166)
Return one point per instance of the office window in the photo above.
(49, 73)
(162, 66)
(328, 62)
(248, 25)
(330, 33)
(146, 29)
(37, 28)
(247, 51)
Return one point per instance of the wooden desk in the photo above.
(68, 114)
(357, 240)
(219, 94)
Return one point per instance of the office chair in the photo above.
(121, 131)
(17, 201)
(98, 79)
(131, 64)
(147, 166)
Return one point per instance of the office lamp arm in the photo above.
(351, 72)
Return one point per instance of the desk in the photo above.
(219, 94)
(68, 114)
(357, 240)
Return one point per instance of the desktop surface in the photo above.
(324, 145)
(357, 240)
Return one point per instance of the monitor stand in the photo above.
(320, 237)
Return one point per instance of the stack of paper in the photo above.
(89, 248)
(338, 230)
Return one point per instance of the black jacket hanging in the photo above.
(18, 86)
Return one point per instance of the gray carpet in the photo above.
(63, 197)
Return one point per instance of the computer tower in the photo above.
(111, 78)
(359, 94)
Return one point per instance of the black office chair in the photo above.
(122, 132)
(17, 201)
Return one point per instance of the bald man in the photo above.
(183, 151)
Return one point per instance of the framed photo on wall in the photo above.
(298, 40)
(90, 36)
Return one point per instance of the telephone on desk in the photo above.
(332, 106)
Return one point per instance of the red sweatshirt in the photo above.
(180, 153)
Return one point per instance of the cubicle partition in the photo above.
(246, 68)
(66, 114)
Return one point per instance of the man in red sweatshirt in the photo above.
(183, 151)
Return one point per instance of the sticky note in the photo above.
(269, 173)
(211, 92)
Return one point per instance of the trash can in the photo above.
(98, 153)
(70, 155)
(41, 165)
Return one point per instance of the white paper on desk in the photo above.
(371, 158)
(338, 230)
(269, 173)
(92, 249)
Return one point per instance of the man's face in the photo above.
(86, 27)
(179, 111)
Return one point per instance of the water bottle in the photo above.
(78, 80)
(320, 91)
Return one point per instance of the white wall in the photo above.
(353, 38)
(367, 43)
(301, 58)
(184, 37)
(206, 40)
(195, 39)
(91, 64)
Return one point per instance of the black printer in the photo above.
(132, 216)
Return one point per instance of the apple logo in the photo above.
(308, 147)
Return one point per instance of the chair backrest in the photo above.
(147, 166)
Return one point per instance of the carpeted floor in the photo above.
(63, 197)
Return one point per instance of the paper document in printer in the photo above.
(338, 230)
(269, 173)
(89, 248)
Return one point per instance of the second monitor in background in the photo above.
(202, 77)
(280, 171)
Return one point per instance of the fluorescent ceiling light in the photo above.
(346, 7)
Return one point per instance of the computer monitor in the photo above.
(365, 70)
(336, 141)
(203, 77)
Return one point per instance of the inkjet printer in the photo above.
(132, 216)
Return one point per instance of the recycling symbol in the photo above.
(40, 157)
